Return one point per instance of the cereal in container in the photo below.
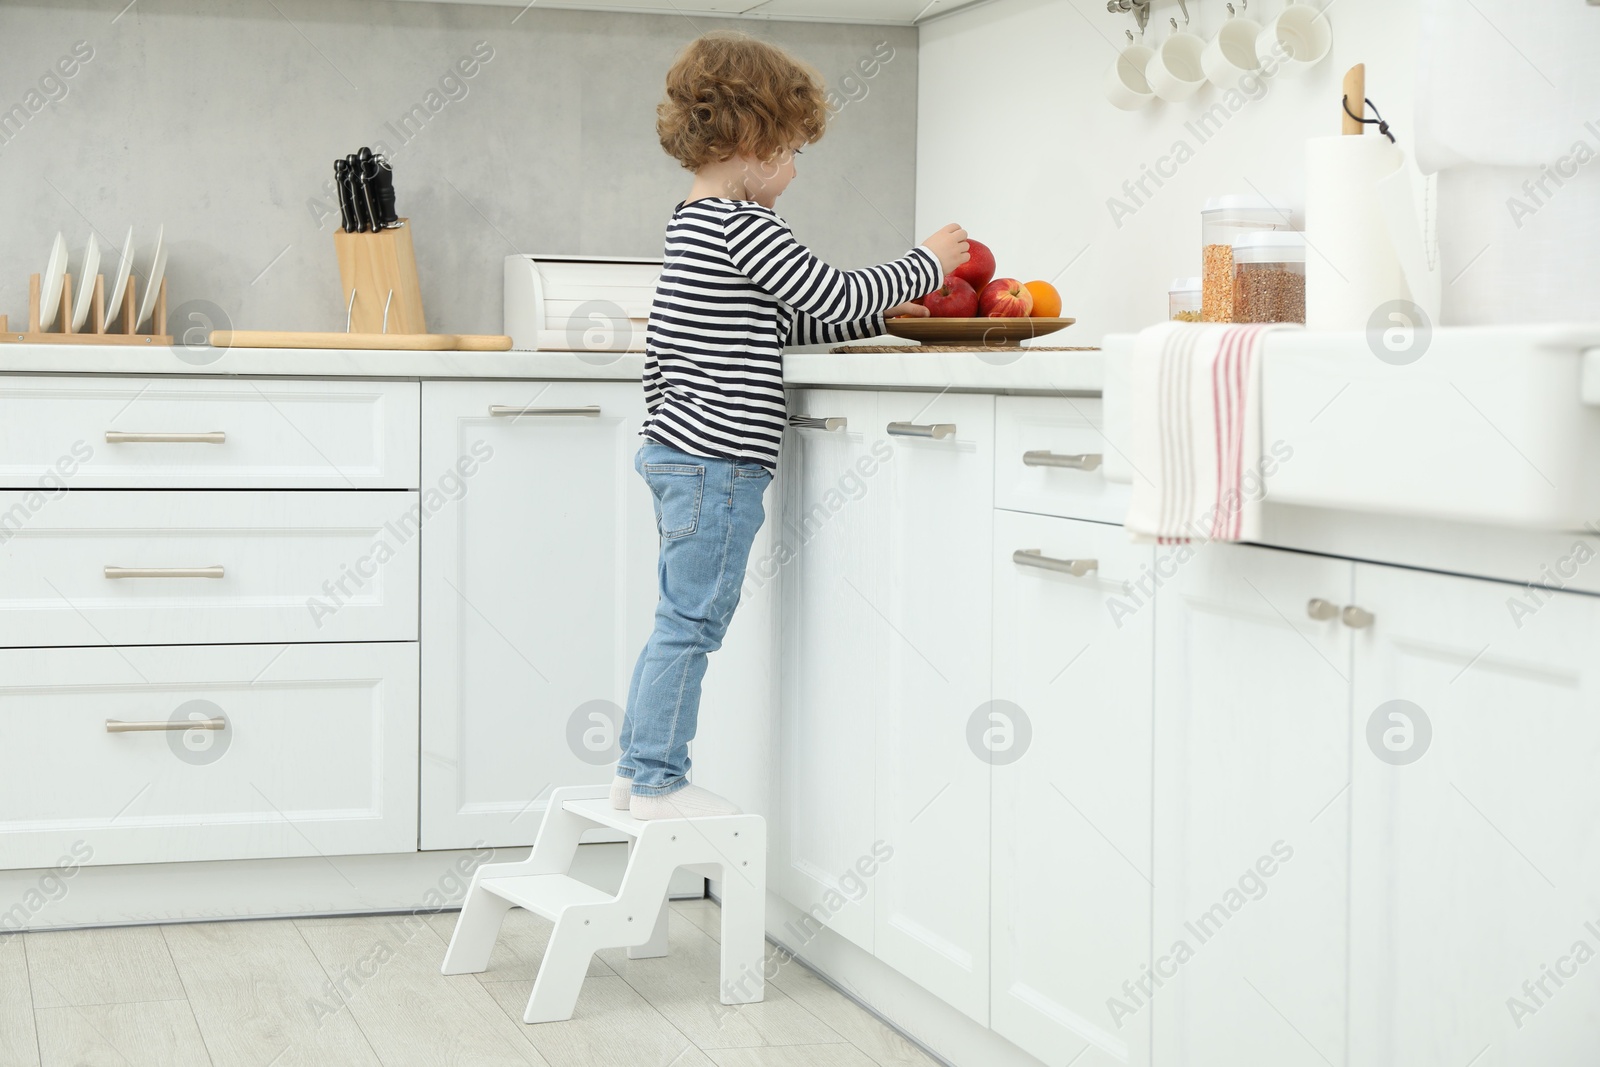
(1269, 277)
(1221, 220)
(1183, 300)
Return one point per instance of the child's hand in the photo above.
(907, 311)
(950, 245)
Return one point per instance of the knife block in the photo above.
(379, 271)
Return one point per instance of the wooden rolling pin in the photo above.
(388, 342)
(1355, 100)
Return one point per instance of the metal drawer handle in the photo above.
(502, 411)
(164, 572)
(815, 422)
(936, 430)
(1033, 557)
(1087, 462)
(117, 726)
(126, 437)
(1322, 610)
(1357, 618)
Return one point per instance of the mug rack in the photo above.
(97, 330)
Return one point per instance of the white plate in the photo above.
(86, 273)
(50, 284)
(152, 281)
(120, 286)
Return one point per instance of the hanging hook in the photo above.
(1184, 7)
(1174, 25)
(1130, 36)
(1231, 11)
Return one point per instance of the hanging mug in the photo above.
(1232, 52)
(1298, 38)
(1125, 84)
(1175, 72)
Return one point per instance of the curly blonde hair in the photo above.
(729, 95)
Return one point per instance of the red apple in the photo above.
(1005, 298)
(955, 299)
(978, 270)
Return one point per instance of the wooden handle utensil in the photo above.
(1355, 100)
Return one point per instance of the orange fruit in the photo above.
(1046, 301)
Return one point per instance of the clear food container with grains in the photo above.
(1223, 219)
(1269, 277)
(1183, 300)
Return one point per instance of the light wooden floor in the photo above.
(366, 991)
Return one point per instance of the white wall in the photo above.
(1017, 143)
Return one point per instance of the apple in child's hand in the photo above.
(955, 299)
(1005, 298)
(979, 269)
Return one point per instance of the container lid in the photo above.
(1240, 202)
(1270, 246)
(1286, 239)
(1185, 285)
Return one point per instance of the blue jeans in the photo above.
(707, 513)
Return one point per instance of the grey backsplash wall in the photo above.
(222, 119)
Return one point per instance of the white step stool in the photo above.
(731, 848)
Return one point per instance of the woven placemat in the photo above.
(955, 348)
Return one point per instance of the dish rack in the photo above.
(99, 331)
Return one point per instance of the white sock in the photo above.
(690, 802)
(621, 792)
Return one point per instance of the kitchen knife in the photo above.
(353, 181)
(347, 204)
(366, 171)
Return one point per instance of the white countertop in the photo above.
(1022, 371)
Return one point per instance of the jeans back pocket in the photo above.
(678, 489)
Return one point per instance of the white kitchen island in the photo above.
(1010, 759)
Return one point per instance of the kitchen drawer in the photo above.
(1039, 444)
(123, 568)
(243, 434)
(317, 755)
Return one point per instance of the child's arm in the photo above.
(830, 304)
(809, 331)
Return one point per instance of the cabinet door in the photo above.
(1071, 777)
(1475, 881)
(316, 754)
(538, 584)
(831, 555)
(931, 620)
(1252, 775)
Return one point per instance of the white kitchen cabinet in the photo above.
(173, 567)
(1071, 825)
(316, 754)
(204, 433)
(1050, 455)
(831, 563)
(1471, 892)
(538, 589)
(930, 629)
(1252, 793)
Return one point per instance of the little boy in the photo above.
(735, 289)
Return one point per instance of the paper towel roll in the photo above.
(1352, 264)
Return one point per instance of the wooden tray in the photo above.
(394, 342)
(979, 332)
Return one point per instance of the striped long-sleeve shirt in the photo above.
(736, 288)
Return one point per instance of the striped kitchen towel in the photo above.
(1196, 450)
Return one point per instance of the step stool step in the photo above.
(545, 894)
(600, 812)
